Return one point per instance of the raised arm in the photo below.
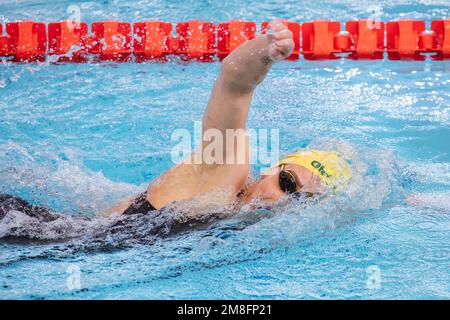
(241, 72)
(227, 108)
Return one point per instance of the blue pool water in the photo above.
(80, 137)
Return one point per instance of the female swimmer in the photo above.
(220, 183)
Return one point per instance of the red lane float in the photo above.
(232, 34)
(403, 38)
(27, 41)
(367, 39)
(65, 39)
(442, 30)
(152, 40)
(318, 39)
(3, 43)
(110, 40)
(196, 40)
(427, 43)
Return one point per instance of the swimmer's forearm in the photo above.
(241, 72)
(247, 66)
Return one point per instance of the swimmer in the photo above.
(214, 183)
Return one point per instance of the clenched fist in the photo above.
(281, 42)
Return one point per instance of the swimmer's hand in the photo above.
(247, 65)
(280, 39)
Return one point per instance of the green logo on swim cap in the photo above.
(316, 164)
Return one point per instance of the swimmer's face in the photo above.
(268, 188)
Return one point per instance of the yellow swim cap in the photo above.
(332, 169)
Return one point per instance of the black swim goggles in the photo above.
(289, 184)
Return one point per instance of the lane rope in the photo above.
(67, 41)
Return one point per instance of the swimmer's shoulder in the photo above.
(186, 181)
